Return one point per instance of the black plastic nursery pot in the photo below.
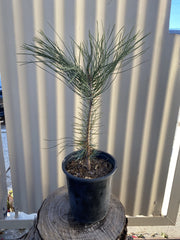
(89, 198)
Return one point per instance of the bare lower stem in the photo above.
(88, 136)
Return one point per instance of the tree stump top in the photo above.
(55, 220)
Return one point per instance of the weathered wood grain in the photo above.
(55, 221)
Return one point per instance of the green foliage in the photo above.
(164, 235)
(88, 69)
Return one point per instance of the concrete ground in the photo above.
(157, 231)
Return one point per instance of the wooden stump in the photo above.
(54, 221)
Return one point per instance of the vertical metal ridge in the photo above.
(79, 28)
(23, 101)
(50, 102)
(99, 18)
(160, 166)
(127, 191)
(28, 107)
(121, 6)
(41, 100)
(11, 100)
(115, 133)
(139, 203)
(113, 116)
(69, 32)
(60, 92)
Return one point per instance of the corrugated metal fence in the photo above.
(139, 112)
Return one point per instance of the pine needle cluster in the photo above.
(88, 69)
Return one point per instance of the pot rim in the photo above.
(108, 157)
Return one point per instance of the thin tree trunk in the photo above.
(88, 135)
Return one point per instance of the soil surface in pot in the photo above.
(99, 168)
